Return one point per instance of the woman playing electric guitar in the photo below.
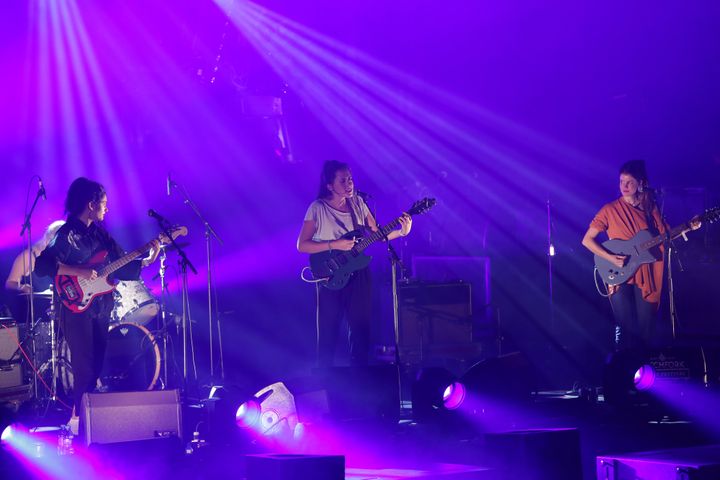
(69, 255)
(337, 212)
(634, 300)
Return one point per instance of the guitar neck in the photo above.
(379, 235)
(672, 234)
(124, 260)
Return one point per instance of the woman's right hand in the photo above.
(343, 244)
(86, 273)
(617, 260)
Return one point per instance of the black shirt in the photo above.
(76, 243)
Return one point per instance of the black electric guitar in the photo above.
(337, 266)
(640, 249)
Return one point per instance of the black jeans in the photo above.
(354, 302)
(634, 318)
(87, 336)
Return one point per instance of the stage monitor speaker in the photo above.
(295, 467)
(362, 392)
(131, 416)
(542, 454)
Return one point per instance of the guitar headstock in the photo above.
(422, 206)
(711, 214)
(175, 232)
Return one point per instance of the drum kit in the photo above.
(133, 355)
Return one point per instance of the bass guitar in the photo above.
(641, 249)
(336, 267)
(78, 293)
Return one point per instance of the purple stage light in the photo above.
(644, 378)
(454, 395)
(248, 415)
(7, 434)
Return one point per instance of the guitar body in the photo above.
(614, 275)
(78, 293)
(337, 265)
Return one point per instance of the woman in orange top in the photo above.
(635, 302)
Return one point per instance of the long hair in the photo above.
(327, 175)
(81, 192)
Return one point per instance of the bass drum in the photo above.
(134, 303)
(132, 361)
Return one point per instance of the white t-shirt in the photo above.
(331, 224)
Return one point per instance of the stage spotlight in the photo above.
(454, 395)
(633, 377)
(435, 390)
(270, 412)
(248, 415)
(7, 434)
(644, 378)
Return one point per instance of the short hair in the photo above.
(81, 192)
(636, 168)
(327, 175)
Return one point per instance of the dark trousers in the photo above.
(353, 302)
(87, 336)
(634, 318)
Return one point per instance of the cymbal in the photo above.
(44, 294)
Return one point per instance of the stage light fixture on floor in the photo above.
(454, 395)
(7, 434)
(248, 415)
(644, 378)
(270, 412)
(634, 378)
(435, 391)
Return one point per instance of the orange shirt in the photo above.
(622, 221)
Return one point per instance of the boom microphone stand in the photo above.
(209, 233)
(30, 263)
(184, 264)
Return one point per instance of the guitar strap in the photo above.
(339, 222)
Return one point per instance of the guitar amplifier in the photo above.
(434, 317)
(131, 416)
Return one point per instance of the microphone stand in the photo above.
(670, 253)
(209, 233)
(394, 262)
(184, 264)
(31, 297)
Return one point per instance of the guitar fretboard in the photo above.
(375, 236)
(124, 260)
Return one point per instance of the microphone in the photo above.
(41, 189)
(364, 195)
(169, 185)
(152, 213)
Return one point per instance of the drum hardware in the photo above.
(134, 303)
(132, 360)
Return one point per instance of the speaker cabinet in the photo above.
(435, 320)
(131, 416)
(8, 340)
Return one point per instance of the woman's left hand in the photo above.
(695, 223)
(405, 224)
(154, 252)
